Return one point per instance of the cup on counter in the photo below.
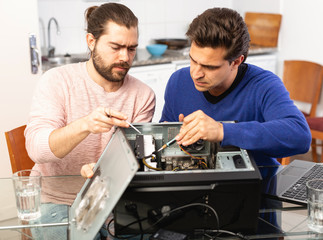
(315, 204)
(27, 186)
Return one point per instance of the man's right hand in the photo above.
(198, 125)
(63, 140)
(103, 119)
(87, 170)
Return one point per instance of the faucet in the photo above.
(51, 49)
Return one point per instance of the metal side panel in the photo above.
(99, 195)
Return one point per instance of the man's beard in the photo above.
(106, 72)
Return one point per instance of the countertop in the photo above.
(143, 58)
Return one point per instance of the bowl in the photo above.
(156, 49)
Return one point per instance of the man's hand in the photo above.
(87, 170)
(197, 126)
(103, 119)
(64, 140)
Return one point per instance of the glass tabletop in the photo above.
(276, 219)
(57, 192)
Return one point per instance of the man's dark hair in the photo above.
(97, 17)
(221, 27)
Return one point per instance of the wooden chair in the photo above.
(19, 160)
(316, 126)
(263, 28)
(303, 80)
(17, 151)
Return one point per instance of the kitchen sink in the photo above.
(61, 60)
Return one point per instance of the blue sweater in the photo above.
(268, 122)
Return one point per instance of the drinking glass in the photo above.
(27, 186)
(315, 204)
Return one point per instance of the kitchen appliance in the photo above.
(174, 43)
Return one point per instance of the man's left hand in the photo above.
(87, 170)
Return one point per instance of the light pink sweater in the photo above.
(67, 93)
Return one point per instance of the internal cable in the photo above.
(150, 167)
(199, 158)
(169, 143)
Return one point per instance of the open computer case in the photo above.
(150, 184)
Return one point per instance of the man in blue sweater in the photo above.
(219, 86)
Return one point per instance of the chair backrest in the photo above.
(263, 28)
(303, 81)
(17, 150)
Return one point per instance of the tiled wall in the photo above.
(157, 19)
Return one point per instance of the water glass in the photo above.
(315, 204)
(27, 186)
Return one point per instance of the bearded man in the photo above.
(75, 106)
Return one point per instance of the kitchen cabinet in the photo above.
(156, 77)
(181, 64)
(265, 61)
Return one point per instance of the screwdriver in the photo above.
(153, 154)
(109, 116)
(167, 144)
(133, 127)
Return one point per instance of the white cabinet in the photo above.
(156, 77)
(181, 64)
(265, 61)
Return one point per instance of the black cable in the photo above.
(132, 208)
(140, 225)
(186, 206)
(165, 216)
(124, 227)
(196, 231)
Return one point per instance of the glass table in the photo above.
(277, 220)
(58, 193)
